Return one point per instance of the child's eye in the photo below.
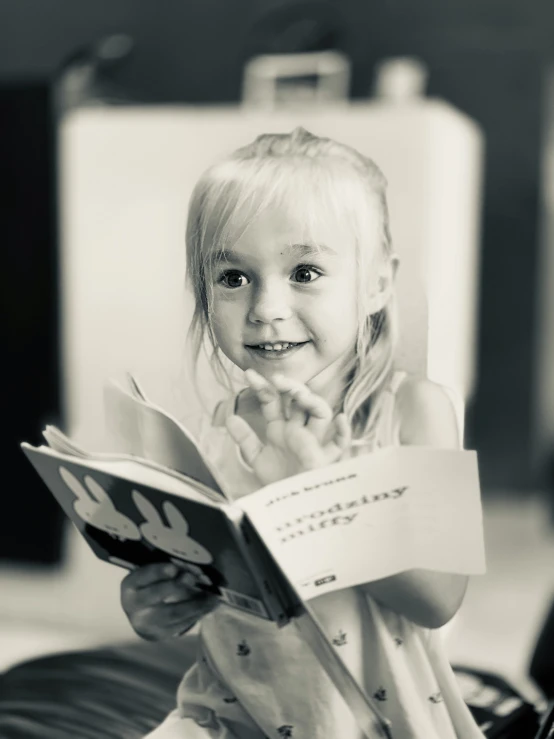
(233, 279)
(306, 274)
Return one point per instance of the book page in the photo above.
(132, 469)
(374, 516)
(147, 431)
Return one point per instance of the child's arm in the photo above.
(430, 599)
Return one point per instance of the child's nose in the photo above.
(270, 303)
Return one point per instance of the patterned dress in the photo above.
(252, 680)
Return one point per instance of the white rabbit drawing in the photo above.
(173, 539)
(94, 506)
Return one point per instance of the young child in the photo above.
(290, 259)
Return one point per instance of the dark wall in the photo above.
(31, 522)
(486, 57)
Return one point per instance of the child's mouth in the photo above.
(275, 351)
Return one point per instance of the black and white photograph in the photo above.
(278, 346)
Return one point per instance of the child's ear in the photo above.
(385, 285)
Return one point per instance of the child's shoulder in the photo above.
(427, 414)
(420, 390)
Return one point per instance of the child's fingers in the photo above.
(181, 616)
(161, 621)
(171, 591)
(306, 448)
(247, 440)
(293, 413)
(267, 394)
(341, 441)
(149, 574)
(308, 403)
(343, 431)
(287, 389)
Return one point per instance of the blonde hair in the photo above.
(314, 178)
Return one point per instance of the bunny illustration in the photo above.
(173, 539)
(94, 506)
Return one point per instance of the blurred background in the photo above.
(109, 111)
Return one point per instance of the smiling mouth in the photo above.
(277, 347)
(279, 350)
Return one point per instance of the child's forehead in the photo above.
(290, 228)
(294, 223)
(305, 207)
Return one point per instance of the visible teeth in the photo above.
(275, 347)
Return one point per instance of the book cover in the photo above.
(132, 516)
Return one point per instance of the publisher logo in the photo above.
(325, 580)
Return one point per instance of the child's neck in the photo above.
(329, 389)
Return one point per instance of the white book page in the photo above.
(373, 516)
(139, 471)
(143, 429)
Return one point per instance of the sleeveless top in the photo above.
(253, 680)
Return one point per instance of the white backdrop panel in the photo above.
(126, 177)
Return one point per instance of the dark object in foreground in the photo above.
(500, 711)
(542, 662)
(123, 692)
(119, 692)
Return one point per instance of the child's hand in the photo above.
(161, 601)
(298, 423)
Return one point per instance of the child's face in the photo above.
(280, 308)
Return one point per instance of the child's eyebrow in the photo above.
(295, 250)
(225, 257)
(309, 250)
(299, 251)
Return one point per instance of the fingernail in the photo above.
(188, 579)
(170, 570)
(172, 598)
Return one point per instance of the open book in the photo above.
(268, 552)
